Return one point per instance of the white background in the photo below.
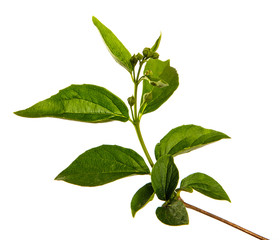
(227, 56)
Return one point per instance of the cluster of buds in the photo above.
(135, 58)
(148, 53)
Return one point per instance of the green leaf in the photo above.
(102, 165)
(156, 44)
(164, 177)
(173, 214)
(156, 67)
(186, 138)
(161, 71)
(86, 103)
(115, 47)
(205, 185)
(143, 196)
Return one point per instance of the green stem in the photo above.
(137, 127)
(140, 66)
(136, 100)
(136, 120)
(136, 83)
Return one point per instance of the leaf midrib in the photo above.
(90, 173)
(191, 144)
(118, 161)
(93, 103)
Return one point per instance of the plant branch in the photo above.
(135, 115)
(136, 83)
(140, 66)
(187, 205)
(137, 127)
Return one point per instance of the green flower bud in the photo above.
(147, 97)
(147, 52)
(134, 60)
(131, 101)
(155, 55)
(139, 56)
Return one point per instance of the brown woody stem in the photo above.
(187, 205)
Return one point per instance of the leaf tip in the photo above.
(59, 177)
(133, 214)
(94, 20)
(160, 37)
(20, 113)
(17, 113)
(226, 136)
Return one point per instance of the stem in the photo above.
(135, 115)
(137, 127)
(140, 66)
(136, 98)
(136, 83)
(187, 205)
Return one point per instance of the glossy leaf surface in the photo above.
(160, 71)
(143, 196)
(86, 103)
(164, 177)
(102, 165)
(115, 46)
(205, 185)
(173, 214)
(186, 138)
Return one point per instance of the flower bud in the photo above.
(134, 60)
(139, 56)
(147, 97)
(131, 101)
(147, 52)
(155, 55)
